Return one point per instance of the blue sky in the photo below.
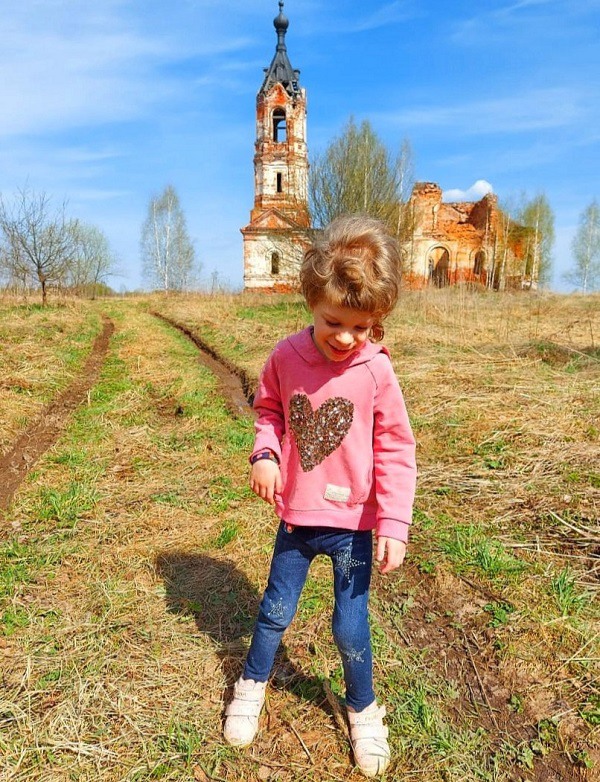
(105, 103)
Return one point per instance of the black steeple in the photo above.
(280, 70)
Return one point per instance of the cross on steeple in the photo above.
(280, 70)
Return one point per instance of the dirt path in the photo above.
(235, 382)
(45, 430)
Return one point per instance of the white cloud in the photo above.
(91, 194)
(66, 67)
(52, 82)
(81, 155)
(474, 193)
(388, 14)
(538, 109)
(514, 22)
(50, 166)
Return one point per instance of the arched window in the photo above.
(479, 264)
(275, 259)
(279, 126)
(439, 266)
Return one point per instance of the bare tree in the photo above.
(168, 255)
(585, 273)
(37, 240)
(93, 261)
(5, 273)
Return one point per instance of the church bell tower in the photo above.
(275, 237)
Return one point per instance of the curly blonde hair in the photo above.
(354, 263)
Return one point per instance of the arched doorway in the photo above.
(439, 266)
(479, 263)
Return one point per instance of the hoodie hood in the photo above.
(303, 344)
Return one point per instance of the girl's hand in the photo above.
(390, 553)
(265, 480)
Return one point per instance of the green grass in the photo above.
(493, 453)
(74, 351)
(222, 493)
(316, 596)
(13, 619)
(273, 313)
(66, 507)
(569, 599)
(229, 532)
(470, 549)
(500, 613)
(591, 711)
(418, 701)
(21, 561)
(118, 666)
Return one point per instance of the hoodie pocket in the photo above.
(307, 492)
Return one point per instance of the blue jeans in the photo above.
(351, 554)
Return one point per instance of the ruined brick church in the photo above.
(449, 242)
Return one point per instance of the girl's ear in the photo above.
(376, 332)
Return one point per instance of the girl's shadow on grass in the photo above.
(224, 605)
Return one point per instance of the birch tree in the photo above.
(37, 240)
(537, 215)
(585, 273)
(168, 255)
(405, 223)
(502, 255)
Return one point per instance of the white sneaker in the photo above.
(243, 712)
(368, 736)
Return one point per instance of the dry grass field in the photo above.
(40, 352)
(133, 555)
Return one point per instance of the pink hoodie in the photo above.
(343, 437)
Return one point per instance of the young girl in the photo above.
(334, 453)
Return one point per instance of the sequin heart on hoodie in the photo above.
(319, 432)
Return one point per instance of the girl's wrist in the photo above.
(264, 453)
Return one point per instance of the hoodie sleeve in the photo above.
(394, 455)
(270, 424)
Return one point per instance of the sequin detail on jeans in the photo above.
(344, 561)
(319, 432)
(277, 610)
(355, 656)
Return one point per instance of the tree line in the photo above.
(41, 246)
(585, 272)
(358, 173)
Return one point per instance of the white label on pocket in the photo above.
(336, 493)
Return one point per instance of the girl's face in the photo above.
(339, 331)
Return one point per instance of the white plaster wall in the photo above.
(257, 261)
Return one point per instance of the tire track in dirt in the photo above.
(236, 384)
(46, 429)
